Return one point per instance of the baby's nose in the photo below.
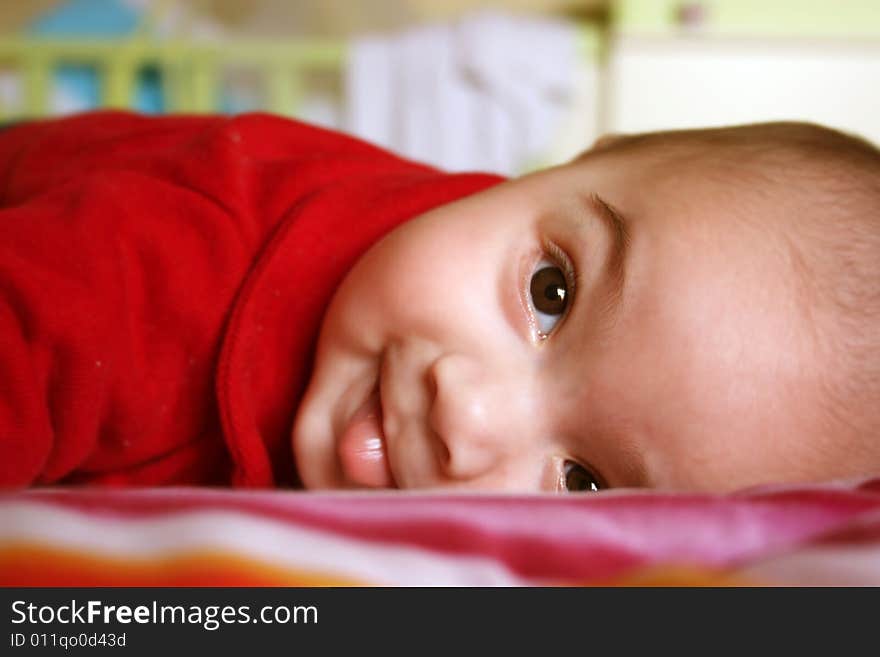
(480, 417)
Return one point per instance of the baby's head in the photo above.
(694, 310)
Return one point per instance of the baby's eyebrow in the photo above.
(618, 229)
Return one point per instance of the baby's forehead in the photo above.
(729, 185)
(695, 223)
(792, 160)
(785, 189)
(682, 184)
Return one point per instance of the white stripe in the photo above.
(847, 565)
(280, 544)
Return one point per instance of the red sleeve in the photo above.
(102, 366)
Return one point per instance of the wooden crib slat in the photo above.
(191, 72)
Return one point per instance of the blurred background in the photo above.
(503, 86)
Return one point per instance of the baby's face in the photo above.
(612, 322)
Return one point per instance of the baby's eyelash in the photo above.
(564, 262)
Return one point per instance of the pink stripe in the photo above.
(566, 538)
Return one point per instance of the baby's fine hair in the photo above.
(831, 214)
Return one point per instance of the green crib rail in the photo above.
(191, 72)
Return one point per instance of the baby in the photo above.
(692, 310)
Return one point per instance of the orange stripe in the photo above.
(678, 575)
(29, 564)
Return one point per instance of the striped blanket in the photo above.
(803, 535)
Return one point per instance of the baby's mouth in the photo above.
(362, 450)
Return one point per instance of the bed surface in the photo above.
(787, 535)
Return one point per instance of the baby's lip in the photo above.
(362, 450)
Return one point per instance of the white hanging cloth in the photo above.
(486, 92)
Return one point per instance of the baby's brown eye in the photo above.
(549, 291)
(578, 479)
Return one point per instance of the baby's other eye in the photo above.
(577, 479)
(549, 292)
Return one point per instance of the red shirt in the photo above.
(162, 281)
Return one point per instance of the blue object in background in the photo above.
(93, 18)
(79, 85)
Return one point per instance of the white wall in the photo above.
(669, 82)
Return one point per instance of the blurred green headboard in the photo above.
(191, 72)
